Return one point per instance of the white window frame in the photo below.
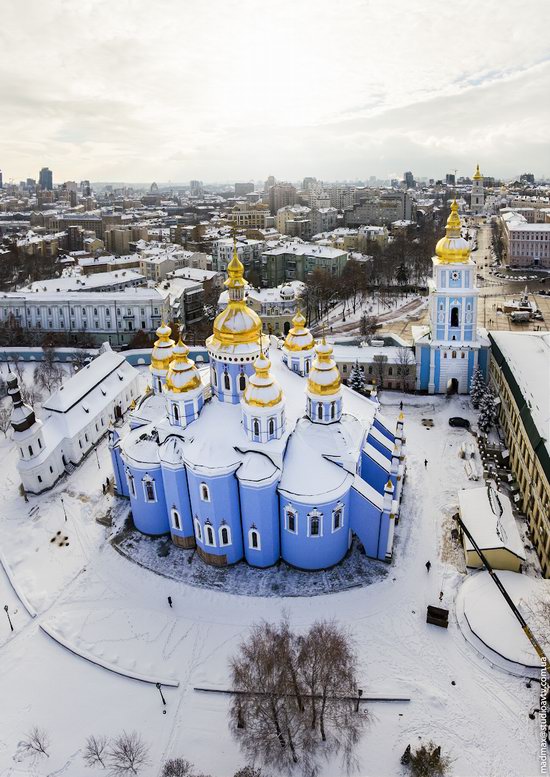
(175, 519)
(202, 496)
(315, 514)
(220, 530)
(207, 526)
(288, 511)
(198, 528)
(131, 483)
(251, 531)
(339, 507)
(149, 480)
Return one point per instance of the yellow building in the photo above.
(519, 371)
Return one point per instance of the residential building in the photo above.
(249, 252)
(382, 366)
(296, 262)
(243, 188)
(246, 215)
(526, 245)
(519, 371)
(281, 194)
(380, 208)
(294, 220)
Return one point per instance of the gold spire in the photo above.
(262, 389)
(324, 378)
(162, 350)
(453, 247)
(477, 174)
(237, 324)
(182, 375)
(299, 338)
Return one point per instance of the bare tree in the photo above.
(368, 326)
(17, 364)
(47, 374)
(95, 751)
(30, 394)
(5, 419)
(177, 767)
(249, 771)
(296, 696)
(127, 754)
(37, 742)
(405, 360)
(80, 359)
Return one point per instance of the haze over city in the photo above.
(138, 91)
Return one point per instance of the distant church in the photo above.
(265, 457)
(451, 347)
(477, 201)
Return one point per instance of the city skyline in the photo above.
(174, 94)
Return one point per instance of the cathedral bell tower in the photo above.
(478, 195)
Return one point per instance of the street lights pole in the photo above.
(97, 457)
(63, 506)
(160, 691)
(8, 615)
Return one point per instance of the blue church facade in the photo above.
(451, 347)
(259, 461)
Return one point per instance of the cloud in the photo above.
(234, 89)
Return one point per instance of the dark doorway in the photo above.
(454, 317)
(452, 386)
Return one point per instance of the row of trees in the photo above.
(484, 400)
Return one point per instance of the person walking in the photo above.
(426, 463)
(170, 601)
(428, 565)
(401, 405)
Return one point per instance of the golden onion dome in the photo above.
(299, 338)
(324, 377)
(477, 174)
(162, 350)
(182, 374)
(453, 247)
(262, 389)
(237, 323)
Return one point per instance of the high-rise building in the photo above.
(280, 195)
(244, 188)
(1, 180)
(196, 188)
(45, 179)
(308, 182)
(478, 197)
(450, 179)
(408, 178)
(270, 182)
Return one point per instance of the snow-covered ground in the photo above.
(115, 612)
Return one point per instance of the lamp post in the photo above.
(63, 506)
(161, 695)
(97, 457)
(8, 616)
(359, 694)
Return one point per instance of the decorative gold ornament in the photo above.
(324, 378)
(453, 248)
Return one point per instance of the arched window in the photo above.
(226, 381)
(225, 535)
(242, 381)
(254, 539)
(30, 450)
(40, 442)
(315, 527)
(291, 520)
(256, 427)
(131, 484)
(149, 490)
(454, 354)
(198, 531)
(271, 426)
(205, 492)
(307, 366)
(176, 412)
(332, 410)
(320, 411)
(338, 517)
(176, 521)
(209, 534)
(454, 316)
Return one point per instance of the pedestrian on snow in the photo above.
(428, 565)
(441, 596)
(401, 405)
(170, 601)
(103, 487)
(425, 462)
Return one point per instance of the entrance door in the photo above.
(452, 386)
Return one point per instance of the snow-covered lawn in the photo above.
(108, 607)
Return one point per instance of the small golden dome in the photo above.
(262, 389)
(237, 323)
(162, 350)
(182, 374)
(453, 247)
(324, 377)
(299, 338)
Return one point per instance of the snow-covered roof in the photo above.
(489, 518)
(306, 249)
(85, 282)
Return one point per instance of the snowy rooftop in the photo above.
(85, 282)
(306, 249)
(480, 511)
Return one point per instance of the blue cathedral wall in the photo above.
(305, 552)
(370, 524)
(373, 473)
(424, 367)
(149, 517)
(177, 496)
(234, 392)
(260, 510)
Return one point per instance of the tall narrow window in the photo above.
(256, 427)
(215, 377)
(198, 531)
(320, 411)
(454, 316)
(271, 427)
(176, 412)
(209, 534)
(205, 492)
(332, 410)
(176, 522)
(226, 381)
(291, 520)
(314, 526)
(242, 381)
(225, 535)
(149, 489)
(30, 450)
(131, 484)
(338, 517)
(254, 539)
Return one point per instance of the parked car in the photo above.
(462, 423)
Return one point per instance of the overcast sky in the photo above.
(225, 90)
